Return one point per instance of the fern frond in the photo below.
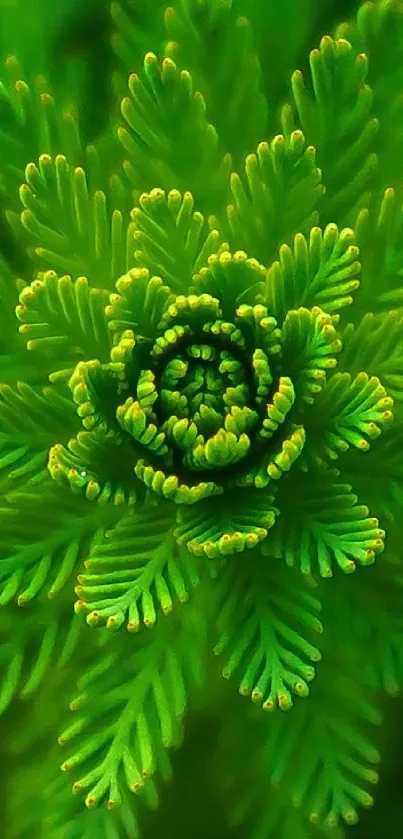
(32, 125)
(235, 278)
(324, 272)
(335, 113)
(322, 526)
(323, 750)
(171, 238)
(269, 814)
(31, 419)
(379, 231)
(29, 649)
(243, 520)
(267, 628)
(253, 806)
(137, 29)
(44, 537)
(139, 305)
(39, 799)
(355, 410)
(70, 226)
(64, 321)
(168, 140)
(275, 196)
(135, 571)
(310, 346)
(378, 31)
(130, 707)
(376, 345)
(372, 615)
(217, 43)
(15, 361)
(379, 478)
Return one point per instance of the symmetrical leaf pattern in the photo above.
(201, 416)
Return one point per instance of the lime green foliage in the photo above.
(201, 427)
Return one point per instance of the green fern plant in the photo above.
(201, 387)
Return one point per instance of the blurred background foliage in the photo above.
(69, 41)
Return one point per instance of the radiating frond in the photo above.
(70, 226)
(324, 272)
(310, 346)
(16, 363)
(171, 238)
(31, 419)
(136, 571)
(276, 196)
(378, 31)
(214, 529)
(139, 304)
(323, 751)
(130, 707)
(352, 412)
(376, 345)
(217, 44)
(44, 537)
(378, 478)
(379, 231)
(64, 321)
(335, 112)
(322, 526)
(44, 640)
(168, 139)
(32, 124)
(267, 629)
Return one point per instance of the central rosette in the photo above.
(200, 387)
(202, 399)
(209, 400)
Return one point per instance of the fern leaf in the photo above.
(276, 196)
(135, 571)
(64, 322)
(242, 521)
(81, 466)
(372, 614)
(335, 115)
(45, 640)
(376, 345)
(379, 231)
(44, 536)
(324, 527)
(218, 45)
(40, 798)
(322, 273)
(167, 133)
(378, 31)
(234, 278)
(15, 361)
(379, 478)
(71, 227)
(139, 305)
(172, 239)
(309, 344)
(355, 411)
(31, 420)
(267, 626)
(137, 27)
(32, 125)
(130, 708)
(260, 811)
(323, 750)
